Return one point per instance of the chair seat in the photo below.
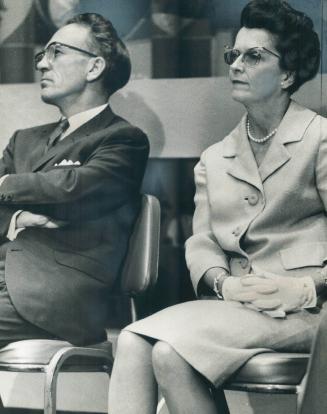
(272, 369)
(41, 351)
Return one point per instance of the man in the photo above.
(69, 192)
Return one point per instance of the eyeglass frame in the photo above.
(239, 53)
(40, 55)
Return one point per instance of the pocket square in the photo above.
(67, 162)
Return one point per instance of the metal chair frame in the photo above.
(55, 365)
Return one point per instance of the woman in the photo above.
(260, 231)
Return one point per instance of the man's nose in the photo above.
(44, 63)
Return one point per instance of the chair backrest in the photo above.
(140, 270)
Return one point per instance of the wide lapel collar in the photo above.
(291, 129)
(242, 164)
(100, 121)
(40, 138)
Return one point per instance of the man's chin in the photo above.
(47, 98)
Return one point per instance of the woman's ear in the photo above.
(96, 67)
(287, 80)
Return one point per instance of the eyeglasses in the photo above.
(54, 49)
(251, 57)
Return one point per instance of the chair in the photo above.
(268, 373)
(50, 357)
(272, 373)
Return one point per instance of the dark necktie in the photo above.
(56, 134)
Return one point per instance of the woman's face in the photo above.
(261, 82)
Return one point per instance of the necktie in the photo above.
(56, 134)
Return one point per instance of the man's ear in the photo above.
(96, 67)
(287, 80)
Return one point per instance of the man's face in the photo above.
(64, 72)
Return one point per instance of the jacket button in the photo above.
(253, 199)
(237, 231)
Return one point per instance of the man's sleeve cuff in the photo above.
(2, 179)
(13, 230)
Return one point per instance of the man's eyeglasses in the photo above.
(55, 48)
(251, 57)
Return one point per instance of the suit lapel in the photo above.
(102, 120)
(40, 139)
(238, 152)
(237, 149)
(291, 129)
(276, 156)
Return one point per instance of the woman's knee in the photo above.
(126, 340)
(165, 361)
(130, 345)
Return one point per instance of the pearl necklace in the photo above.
(258, 140)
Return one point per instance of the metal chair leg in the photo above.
(53, 368)
(220, 401)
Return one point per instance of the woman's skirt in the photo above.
(216, 337)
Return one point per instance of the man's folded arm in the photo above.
(7, 212)
(6, 162)
(113, 172)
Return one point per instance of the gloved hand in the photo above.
(292, 292)
(270, 293)
(234, 289)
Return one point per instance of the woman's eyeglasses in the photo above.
(251, 57)
(54, 49)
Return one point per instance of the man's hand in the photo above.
(28, 219)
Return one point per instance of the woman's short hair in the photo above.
(296, 41)
(108, 44)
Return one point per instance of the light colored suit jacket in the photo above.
(274, 216)
(59, 279)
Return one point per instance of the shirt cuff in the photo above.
(13, 230)
(2, 179)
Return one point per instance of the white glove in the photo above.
(293, 292)
(272, 294)
(234, 289)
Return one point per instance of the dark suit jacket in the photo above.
(58, 279)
